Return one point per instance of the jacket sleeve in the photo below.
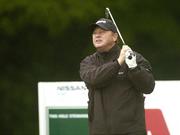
(142, 77)
(97, 76)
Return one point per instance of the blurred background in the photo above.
(45, 40)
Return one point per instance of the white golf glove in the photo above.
(130, 59)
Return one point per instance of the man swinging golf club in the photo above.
(116, 84)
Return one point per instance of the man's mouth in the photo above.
(98, 40)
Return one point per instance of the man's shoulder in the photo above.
(140, 57)
(90, 57)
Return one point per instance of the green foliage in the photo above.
(54, 15)
(45, 40)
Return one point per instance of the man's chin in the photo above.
(99, 45)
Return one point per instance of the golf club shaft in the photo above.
(109, 12)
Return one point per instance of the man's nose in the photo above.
(97, 35)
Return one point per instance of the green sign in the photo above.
(68, 121)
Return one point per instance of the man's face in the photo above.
(103, 40)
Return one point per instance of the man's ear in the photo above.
(115, 36)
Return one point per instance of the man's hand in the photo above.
(130, 59)
(122, 55)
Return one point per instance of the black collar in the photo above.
(113, 52)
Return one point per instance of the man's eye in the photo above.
(98, 32)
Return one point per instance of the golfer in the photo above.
(116, 79)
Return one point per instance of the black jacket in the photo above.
(116, 101)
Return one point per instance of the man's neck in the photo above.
(105, 49)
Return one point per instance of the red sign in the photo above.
(155, 122)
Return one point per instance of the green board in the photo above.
(67, 121)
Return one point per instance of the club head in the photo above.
(107, 13)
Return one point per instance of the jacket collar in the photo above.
(114, 51)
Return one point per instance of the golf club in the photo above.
(107, 13)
